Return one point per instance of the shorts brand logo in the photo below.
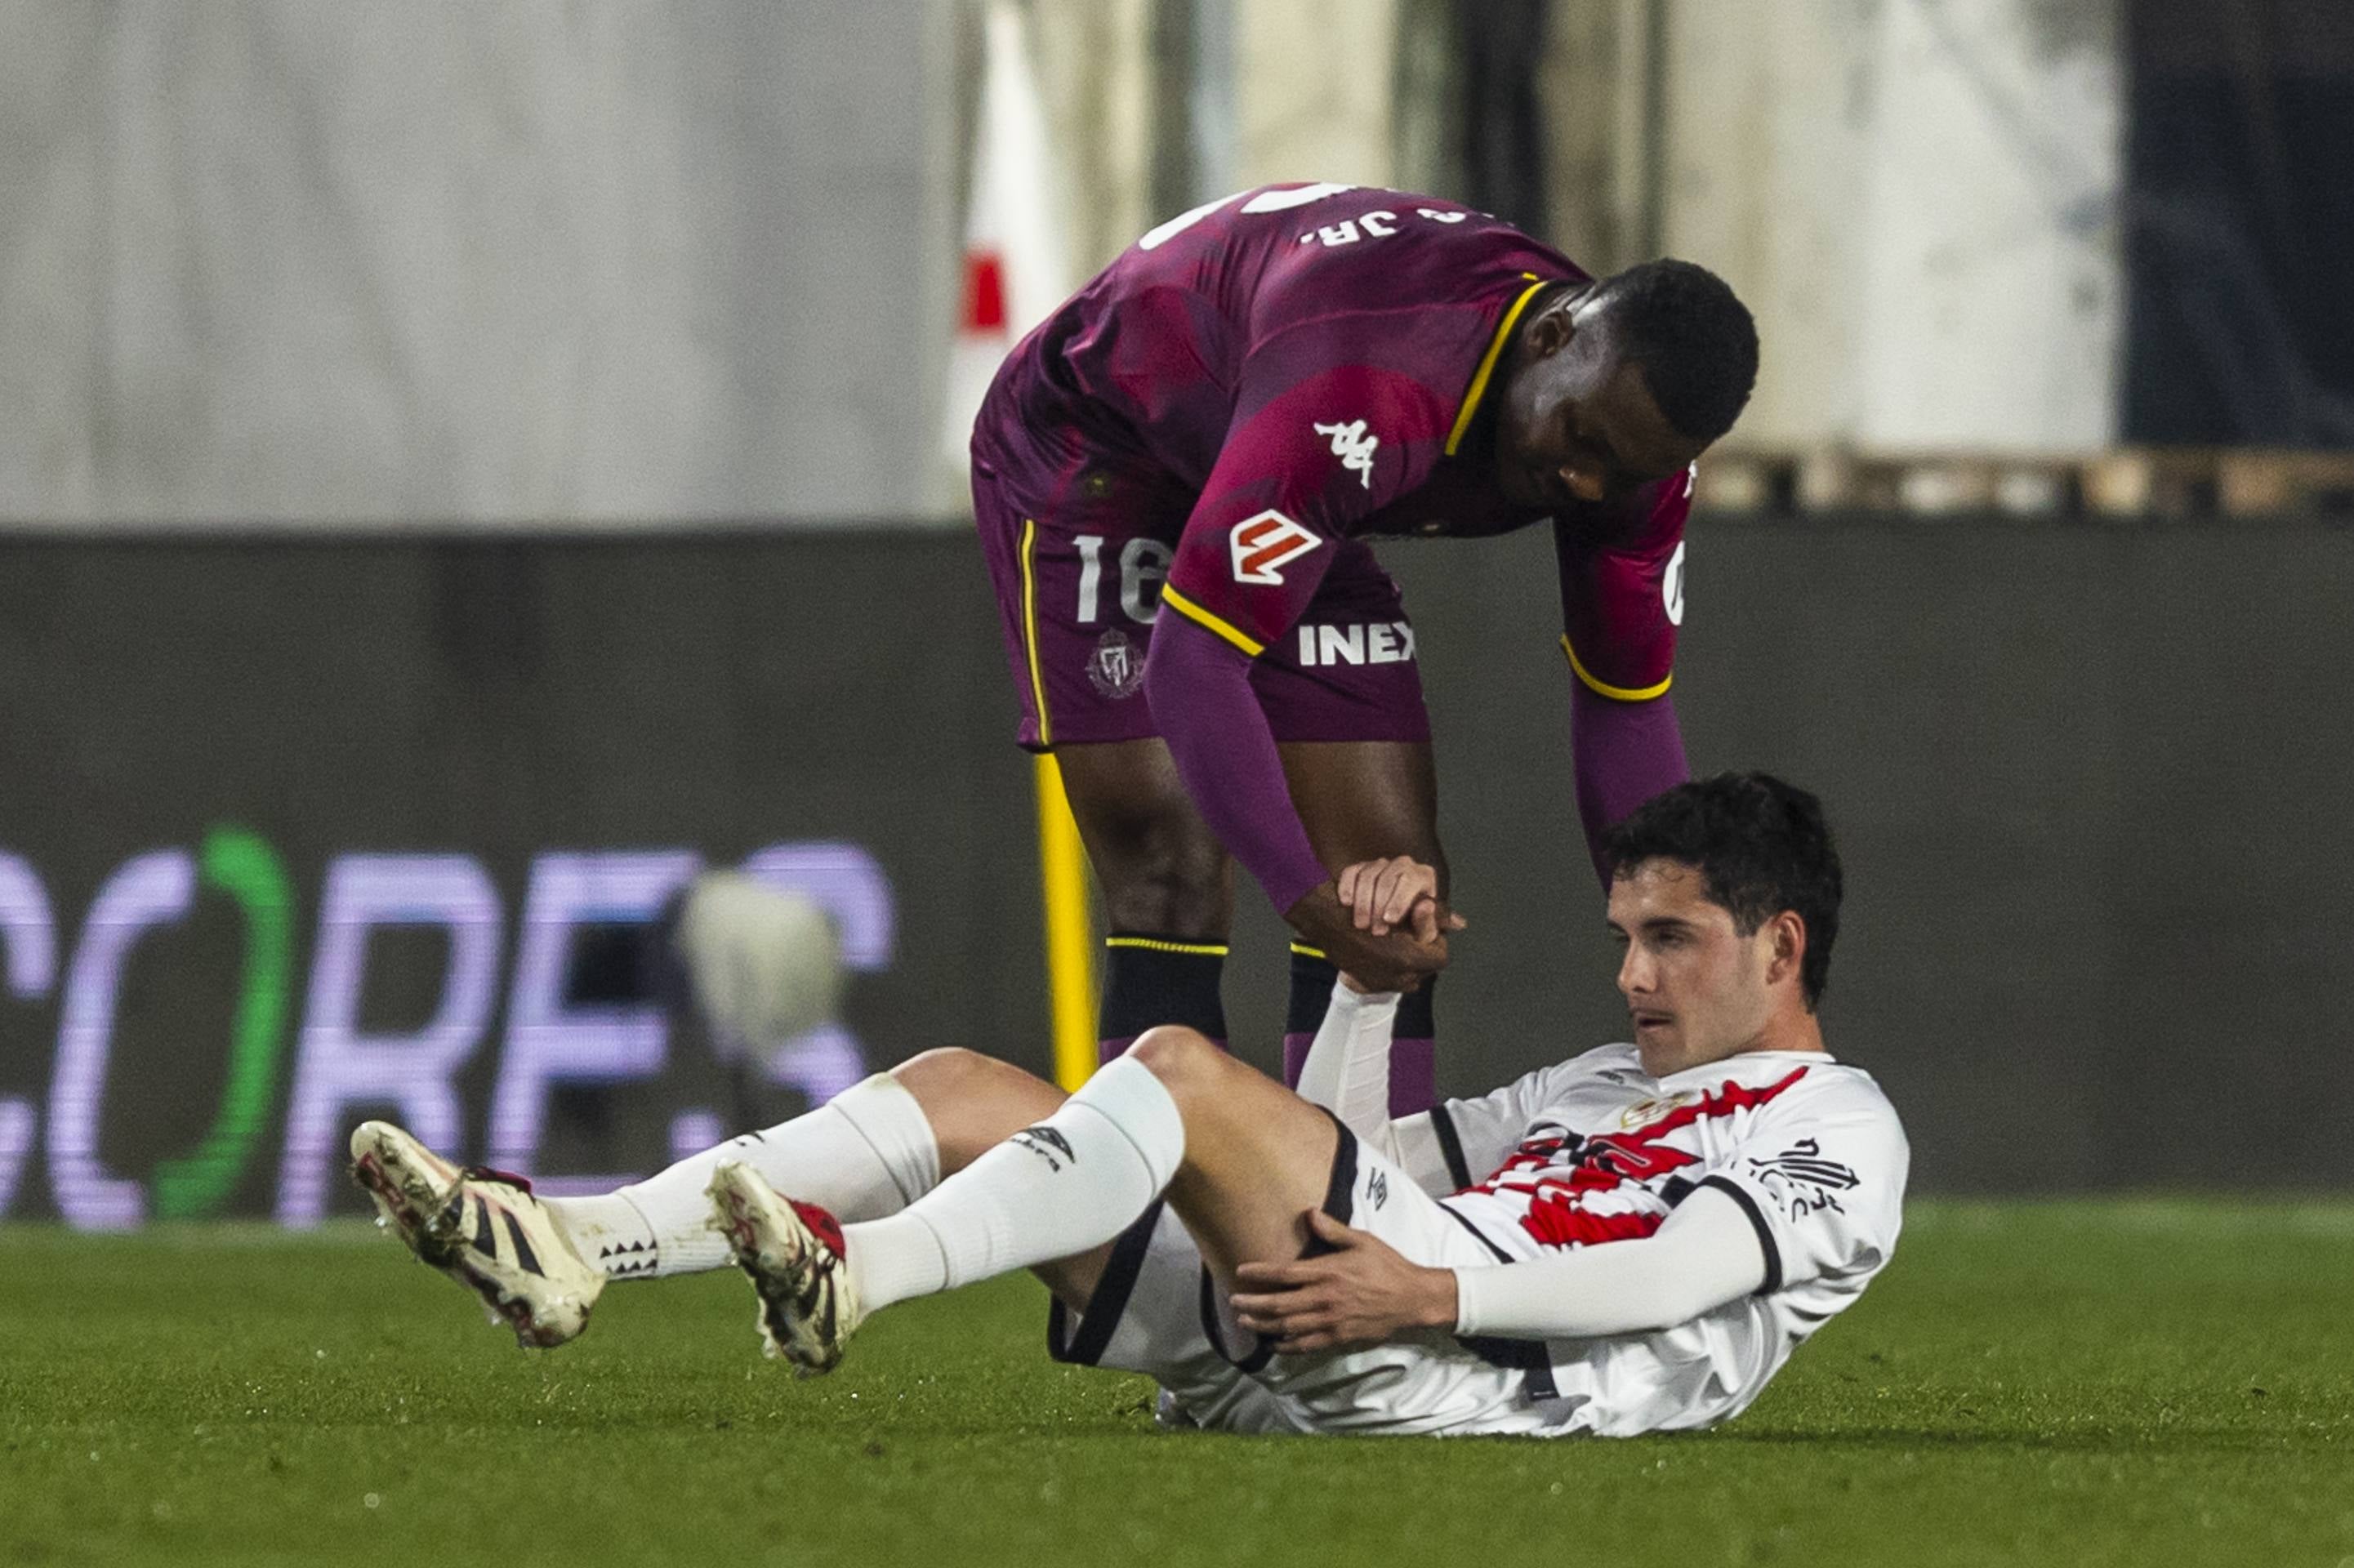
(1263, 546)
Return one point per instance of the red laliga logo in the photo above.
(1263, 545)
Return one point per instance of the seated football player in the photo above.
(1631, 1240)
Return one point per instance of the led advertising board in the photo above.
(301, 833)
(302, 1036)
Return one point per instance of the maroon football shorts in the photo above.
(1079, 586)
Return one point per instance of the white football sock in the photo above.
(866, 1153)
(1075, 1181)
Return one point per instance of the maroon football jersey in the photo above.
(1310, 360)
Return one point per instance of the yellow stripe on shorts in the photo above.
(1029, 630)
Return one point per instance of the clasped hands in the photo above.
(1382, 922)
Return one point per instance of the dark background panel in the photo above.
(2239, 215)
(503, 700)
(2089, 785)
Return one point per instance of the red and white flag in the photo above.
(1015, 258)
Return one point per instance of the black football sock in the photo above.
(1414, 1055)
(1312, 979)
(1414, 1064)
(1151, 980)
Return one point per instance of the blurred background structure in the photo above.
(462, 470)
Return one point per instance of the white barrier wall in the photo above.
(270, 260)
(1919, 198)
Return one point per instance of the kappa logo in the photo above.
(1354, 448)
(1046, 1143)
(1264, 545)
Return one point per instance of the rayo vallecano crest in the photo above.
(1115, 669)
(1642, 1113)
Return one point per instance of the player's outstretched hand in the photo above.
(1364, 1292)
(1383, 895)
(1398, 961)
(1399, 897)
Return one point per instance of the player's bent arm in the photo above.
(1198, 686)
(1348, 1067)
(1621, 754)
(1270, 522)
(1621, 606)
(1708, 1253)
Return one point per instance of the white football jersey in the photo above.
(1595, 1149)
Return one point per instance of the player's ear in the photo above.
(1788, 952)
(1552, 331)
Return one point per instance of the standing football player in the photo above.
(1186, 460)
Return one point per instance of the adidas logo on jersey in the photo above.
(1264, 545)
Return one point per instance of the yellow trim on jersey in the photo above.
(1154, 944)
(1622, 693)
(1195, 613)
(1305, 952)
(1488, 364)
(1030, 630)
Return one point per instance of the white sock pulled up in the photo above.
(1073, 1181)
(867, 1153)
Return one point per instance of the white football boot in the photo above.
(484, 1229)
(794, 1254)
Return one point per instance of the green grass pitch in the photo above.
(2080, 1382)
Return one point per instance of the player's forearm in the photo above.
(1705, 1256)
(1199, 689)
(1348, 1067)
(1622, 753)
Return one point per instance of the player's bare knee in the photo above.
(972, 1101)
(1186, 1061)
(947, 1076)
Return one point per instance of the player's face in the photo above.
(1695, 987)
(1577, 423)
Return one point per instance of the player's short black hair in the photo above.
(1693, 338)
(1760, 845)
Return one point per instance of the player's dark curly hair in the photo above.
(1760, 845)
(1693, 336)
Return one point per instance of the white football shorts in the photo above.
(1157, 1311)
